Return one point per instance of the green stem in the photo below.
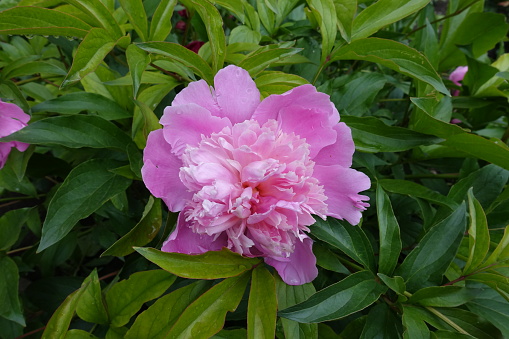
(347, 262)
(441, 316)
(20, 249)
(459, 11)
(20, 198)
(433, 176)
(447, 320)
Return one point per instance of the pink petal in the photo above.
(5, 149)
(185, 124)
(12, 111)
(21, 146)
(300, 267)
(160, 172)
(9, 124)
(309, 124)
(305, 112)
(236, 93)
(199, 93)
(304, 96)
(342, 186)
(458, 74)
(340, 152)
(184, 240)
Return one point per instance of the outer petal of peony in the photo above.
(235, 95)
(342, 186)
(161, 172)
(199, 93)
(300, 267)
(12, 119)
(339, 153)
(185, 124)
(303, 111)
(184, 240)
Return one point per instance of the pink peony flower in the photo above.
(249, 175)
(12, 119)
(457, 76)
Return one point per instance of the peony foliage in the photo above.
(254, 169)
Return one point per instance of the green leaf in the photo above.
(258, 62)
(158, 319)
(33, 67)
(478, 235)
(356, 94)
(350, 239)
(390, 239)
(397, 284)
(427, 263)
(372, 135)
(262, 306)
(289, 295)
(160, 25)
(74, 131)
(145, 121)
(116, 333)
(146, 229)
(383, 13)
(393, 55)
(273, 82)
(441, 296)
(496, 281)
(10, 226)
(126, 297)
(501, 252)
(214, 25)
(487, 184)
(381, 323)
(209, 265)
(494, 151)
(266, 15)
(470, 322)
(415, 327)
(101, 16)
(87, 187)
(325, 13)
(9, 180)
(137, 16)
(91, 306)
(79, 334)
(239, 333)
(11, 308)
(481, 30)
(327, 259)
(244, 34)
(345, 12)
(91, 52)
(489, 305)
(348, 296)
(415, 190)
(137, 60)
(38, 20)
(182, 55)
(57, 326)
(74, 103)
(205, 317)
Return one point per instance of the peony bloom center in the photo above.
(255, 183)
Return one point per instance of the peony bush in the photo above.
(254, 169)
